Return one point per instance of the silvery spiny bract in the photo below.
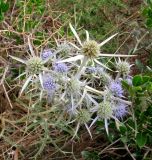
(83, 117)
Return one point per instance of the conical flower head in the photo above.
(123, 67)
(91, 49)
(83, 116)
(116, 88)
(47, 53)
(35, 65)
(49, 83)
(105, 110)
(120, 110)
(91, 70)
(60, 67)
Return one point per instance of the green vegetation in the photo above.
(4, 6)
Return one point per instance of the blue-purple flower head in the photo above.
(60, 67)
(91, 70)
(120, 110)
(49, 84)
(71, 110)
(100, 70)
(116, 88)
(46, 53)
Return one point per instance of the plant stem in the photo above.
(81, 68)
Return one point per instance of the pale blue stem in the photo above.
(118, 76)
(106, 126)
(82, 68)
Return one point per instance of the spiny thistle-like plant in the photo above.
(49, 84)
(104, 76)
(72, 79)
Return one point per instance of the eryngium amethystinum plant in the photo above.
(89, 89)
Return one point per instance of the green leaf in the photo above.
(1, 17)
(125, 84)
(4, 7)
(149, 22)
(123, 129)
(137, 80)
(131, 124)
(145, 11)
(149, 13)
(145, 79)
(124, 139)
(137, 89)
(141, 139)
(90, 155)
(149, 4)
(139, 64)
